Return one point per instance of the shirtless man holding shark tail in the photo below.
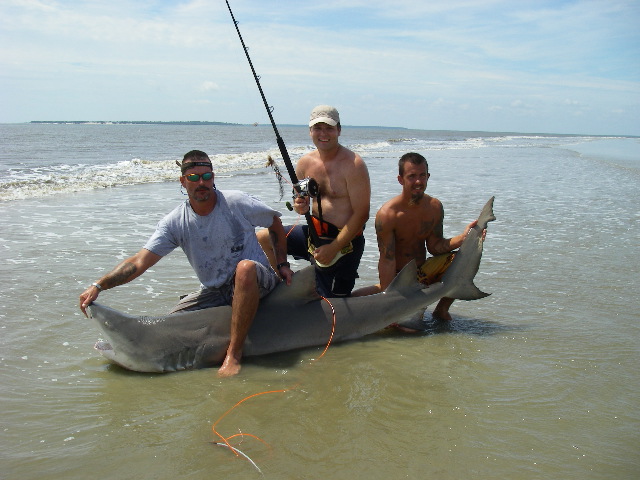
(340, 211)
(409, 225)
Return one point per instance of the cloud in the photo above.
(415, 58)
(209, 86)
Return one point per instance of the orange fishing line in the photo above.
(333, 328)
(241, 434)
(293, 226)
(226, 439)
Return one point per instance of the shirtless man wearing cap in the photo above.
(340, 211)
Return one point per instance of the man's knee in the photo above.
(246, 274)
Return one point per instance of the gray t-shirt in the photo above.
(215, 243)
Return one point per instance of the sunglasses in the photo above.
(194, 177)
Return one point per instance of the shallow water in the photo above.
(539, 380)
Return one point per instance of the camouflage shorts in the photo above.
(215, 297)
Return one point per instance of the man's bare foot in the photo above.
(442, 315)
(229, 368)
(441, 311)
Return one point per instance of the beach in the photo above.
(538, 380)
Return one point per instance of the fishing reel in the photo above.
(306, 188)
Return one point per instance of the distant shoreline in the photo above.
(193, 122)
(210, 123)
(126, 122)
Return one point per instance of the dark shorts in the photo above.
(334, 281)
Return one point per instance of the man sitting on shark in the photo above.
(216, 231)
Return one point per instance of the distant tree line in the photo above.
(126, 122)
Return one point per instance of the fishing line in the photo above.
(279, 141)
(225, 440)
(271, 163)
(240, 452)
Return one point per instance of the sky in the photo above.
(567, 67)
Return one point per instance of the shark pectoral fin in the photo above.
(469, 292)
(416, 322)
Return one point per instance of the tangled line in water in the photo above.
(225, 440)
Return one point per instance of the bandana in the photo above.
(186, 166)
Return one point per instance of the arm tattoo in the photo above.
(279, 253)
(438, 244)
(439, 230)
(388, 251)
(121, 274)
(425, 227)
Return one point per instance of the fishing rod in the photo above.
(307, 186)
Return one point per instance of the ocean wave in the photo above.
(19, 184)
(21, 181)
(33, 182)
(42, 182)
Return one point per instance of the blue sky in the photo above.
(519, 66)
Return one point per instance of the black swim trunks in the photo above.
(338, 279)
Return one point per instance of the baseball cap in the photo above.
(325, 114)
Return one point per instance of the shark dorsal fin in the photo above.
(405, 278)
(302, 289)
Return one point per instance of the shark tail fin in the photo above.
(465, 265)
(486, 215)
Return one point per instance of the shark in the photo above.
(290, 317)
